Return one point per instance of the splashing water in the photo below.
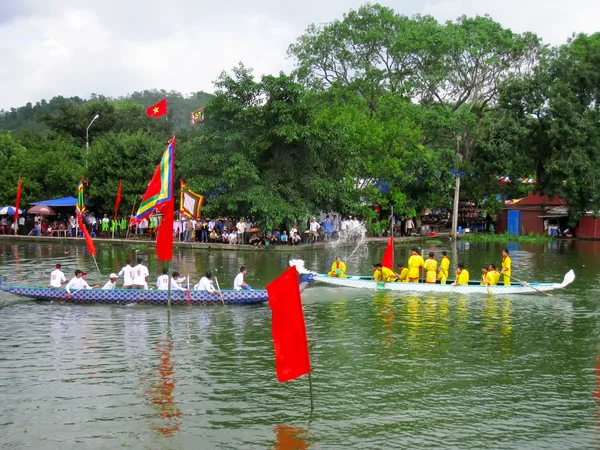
(353, 233)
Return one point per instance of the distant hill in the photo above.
(26, 118)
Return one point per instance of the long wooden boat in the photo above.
(142, 297)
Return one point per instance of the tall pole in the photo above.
(87, 139)
(455, 209)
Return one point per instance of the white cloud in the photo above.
(67, 47)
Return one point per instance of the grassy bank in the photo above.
(505, 237)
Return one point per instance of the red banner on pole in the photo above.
(118, 200)
(388, 255)
(19, 188)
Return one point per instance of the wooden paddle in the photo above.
(524, 283)
(220, 293)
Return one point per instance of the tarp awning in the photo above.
(58, 202)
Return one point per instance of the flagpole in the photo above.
(169, 289)
(127, 232)
(312, 405)
(96, 262)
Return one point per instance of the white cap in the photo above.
(113, 275)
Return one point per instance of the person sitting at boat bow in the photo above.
(176, 282)
(462, 275)
(205, 283)
(239, 283)
(338, 269)
(430, 267)
(57, 277)
(384, 274)
(111, 283)
(77, 282)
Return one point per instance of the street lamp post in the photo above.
(87, 139)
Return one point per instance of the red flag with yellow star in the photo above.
(160, 109)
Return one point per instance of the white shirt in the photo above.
(344, 224)
(241, 227)
(21, 220)
(293, 231)
(176, 284)
(56, 278)
(204, 285)
(314, 226)
(140, 272)
(77, 284)
(239, 280)
(162, 283)
(109, 285)
(211, 225)
(127, 274)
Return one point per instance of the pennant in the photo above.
(19, 188)
(160, 189)
(118, 200)
(190, 203)
(288, 328)
(80, 207)
(160, 109)
(164, 239)
(88, 239)
(388, 255)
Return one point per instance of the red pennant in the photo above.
(88, 238)
(118, 200)
(19, 188)
(164, 240)
(388, 255)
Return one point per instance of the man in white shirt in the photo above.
(205, 283)
(176, 282)
(127, 274)
(140, 275)
(211, 225)
(239, 283)
(314, 229)
(77, 282)
(110, 284)
(162, 283)
(57, 277)
(241, 228)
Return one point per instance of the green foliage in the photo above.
(506, 238)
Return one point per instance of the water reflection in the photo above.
(291, 438)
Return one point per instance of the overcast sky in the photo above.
(110, 47)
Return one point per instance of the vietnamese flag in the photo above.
(160, 109)
(388, 255)
(288, 328)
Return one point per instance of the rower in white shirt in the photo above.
(110, 284)
(205, 283)
(140, 275)
(162, 283)
(176, 282)
(238, 283)
(77, 282)
(127, 274)
(57, 277)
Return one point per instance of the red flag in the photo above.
(388, 255)
(19, 188)
(288, 328)
(88, 238)
(164, 240)
(160, 109)
(118, 200)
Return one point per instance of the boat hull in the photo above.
(368, 284)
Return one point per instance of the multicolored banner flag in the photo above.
(289, 330)
(159, 196)
(197, 116)
(160, 109)
(80, 207)
(190, 203)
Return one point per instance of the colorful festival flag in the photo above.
(388, 255)
(19, 189)
(159, 196)
(197, 116)
(80, 207)
(160, 109)
(190, 203)
(118, 200)
(288, 328)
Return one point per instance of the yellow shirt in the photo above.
(506, 264)
(415, 262)
(430, 267)
(492, 278)
(338, 266)
(388, 275)
(403, 275)
(463, 277)
(444, 267)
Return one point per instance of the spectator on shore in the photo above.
(284, 237)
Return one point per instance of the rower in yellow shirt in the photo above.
(402, 273)
(493, 276)
(384, 274)
(444, 272)
(415, 262)
(462, 275)
(430, 267)
(506, 267)
(338, 269)
(484, 271)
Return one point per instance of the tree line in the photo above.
(381, 109)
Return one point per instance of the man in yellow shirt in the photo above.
(484, 271)
(462, 275)
(338, 269)
(384, 274)
(430, 267)
(444, 272)
(506, 267)
(402, 273)
(415, 262)
(492, 277)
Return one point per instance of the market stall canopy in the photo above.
(41, 209)
(59, 202)
(10, 210)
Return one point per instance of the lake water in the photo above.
(389, 371)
